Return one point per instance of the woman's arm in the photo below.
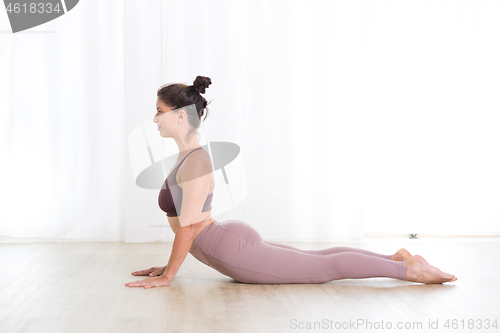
(194, 192)
(184, 238)
(194, 175)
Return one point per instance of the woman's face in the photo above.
(163, 118)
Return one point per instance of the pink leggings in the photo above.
(237, 250)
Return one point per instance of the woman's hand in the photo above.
(153, 271)
(150, 282)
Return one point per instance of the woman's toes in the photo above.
(421, 271)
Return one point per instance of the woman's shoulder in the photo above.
(200, 156)
(197, 164)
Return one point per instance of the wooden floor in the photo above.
(79, 287)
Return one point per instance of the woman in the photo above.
(233, 247)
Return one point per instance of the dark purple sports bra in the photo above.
(171, 197)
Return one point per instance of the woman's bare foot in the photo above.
(420, 271)
(401, 255)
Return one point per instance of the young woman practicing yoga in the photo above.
(233, 247)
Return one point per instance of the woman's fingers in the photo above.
(156, 272)
(145, 271)
(140, 283)
(150, 282)
(139, 272)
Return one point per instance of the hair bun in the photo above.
(201, 83)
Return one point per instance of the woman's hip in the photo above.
(224, 241)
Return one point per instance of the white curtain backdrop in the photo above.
(353, 118)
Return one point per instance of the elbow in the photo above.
(187, 232)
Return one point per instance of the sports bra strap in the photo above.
(187, 156)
